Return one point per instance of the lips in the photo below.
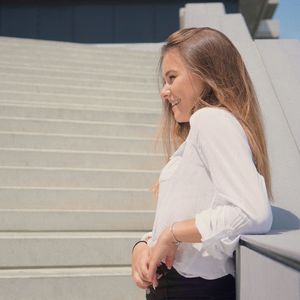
(175, 102)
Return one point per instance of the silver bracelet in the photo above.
(177, 242)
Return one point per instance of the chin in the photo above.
(181, 120)
(179, 117)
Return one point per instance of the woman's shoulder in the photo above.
(219, 121)
(210, 114)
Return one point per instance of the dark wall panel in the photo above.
(19, 21)
(55, 22)
(134, 23)
(93, 23)
(166, 20)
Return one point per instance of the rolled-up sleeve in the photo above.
(240, 204)
(147, 237)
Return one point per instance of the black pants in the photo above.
(173, 286)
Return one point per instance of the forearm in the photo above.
(185, 231)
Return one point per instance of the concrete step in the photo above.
(146, 52)
(13, 197)
(75, 177)
(90, 283)
(76, 127)
(75, 220)
(91, 102)
(100, 57)
(73, 80)
(62, 249)
(130, 68)
(78, 142)
(83, 91)
(132, 50)
(77, 62)
(111, 72)
(79, 75)
(60, 48)
(79, 159)
(80, 112)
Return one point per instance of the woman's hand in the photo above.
(165, 248)
(140, 264)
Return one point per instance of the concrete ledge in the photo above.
(268, 29)
(281, 245)
(232, 25)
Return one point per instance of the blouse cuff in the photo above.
(219, 240)
(147, 236)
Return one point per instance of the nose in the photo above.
(165, 92)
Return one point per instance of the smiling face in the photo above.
(181, 87)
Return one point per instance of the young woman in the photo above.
(216, 185)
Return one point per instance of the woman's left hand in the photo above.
(165, 248)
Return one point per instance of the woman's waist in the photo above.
(190, 262)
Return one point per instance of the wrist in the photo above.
(170, 236)
(138, 245)
(175, 239)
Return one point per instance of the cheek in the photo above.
(184, 90)
(179, 90)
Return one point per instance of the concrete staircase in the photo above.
(77, 124)
(77, 159)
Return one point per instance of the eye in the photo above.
(172, 77)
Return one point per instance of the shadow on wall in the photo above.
(284, 219)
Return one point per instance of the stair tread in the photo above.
(70, 234)
(62, 272)
(75, 211)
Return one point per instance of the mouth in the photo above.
(175, 102)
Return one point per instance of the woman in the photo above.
(216, 185)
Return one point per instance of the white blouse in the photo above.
(212, 177)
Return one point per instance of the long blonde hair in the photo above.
(210, 55)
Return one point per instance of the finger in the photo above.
(139, 282)
(143, 270)
(170, 261)
(152, 270)
(155, 281)
(144, 274)
(171, 257)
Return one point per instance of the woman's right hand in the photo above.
(140, 265)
